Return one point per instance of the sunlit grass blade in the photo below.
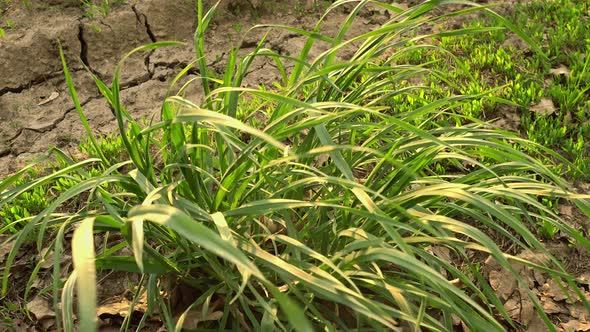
(68, 302)
(195, 232)
(83, 258)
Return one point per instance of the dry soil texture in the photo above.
(36, 109)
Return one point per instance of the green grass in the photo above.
(310, 206)
(98, 8)
(561, 28)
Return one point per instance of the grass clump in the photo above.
(316, 208)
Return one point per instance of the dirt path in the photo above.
(36, 110)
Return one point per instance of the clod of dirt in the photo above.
(156, 16)
(561, 70)
(31, 55)
(509, 119)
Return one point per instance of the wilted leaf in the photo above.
(527, 311)
(528, 275)
(465, 328)
(535, 257)
(537, 325)
(540, 278)
(544, 107)
(441, 252)
(456, 320)
(580, 312)
(575, 325)
(512, 306)
(503, 282)
(113, 309)
(48, 262)
(566, 211)
(550, 307)
(552, 289)
(119, 308)
(40, 308)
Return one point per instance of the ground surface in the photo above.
(36, 110)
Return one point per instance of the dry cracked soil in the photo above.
(36, 110)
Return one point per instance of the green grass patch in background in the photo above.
(558, 76)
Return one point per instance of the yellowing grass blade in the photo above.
(137, 242)
(226, 235)
(195, 232)
(83, 257)
(222, 226)
(67, 296)
(199, 114)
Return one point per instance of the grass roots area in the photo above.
(325, 201)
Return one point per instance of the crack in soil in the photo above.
(145, 23)
(50, 126)
(255, 69)
(53, 125)
(181, 64)
(106, 25)
(30, 84)
(133, 83)
(150, 34)
(5, 152)
(146, 62)
(85, 53)
(83, 47)
(279, 46)
(248, 44)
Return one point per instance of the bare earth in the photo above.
(36, 110)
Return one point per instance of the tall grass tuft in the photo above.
(309, 206)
